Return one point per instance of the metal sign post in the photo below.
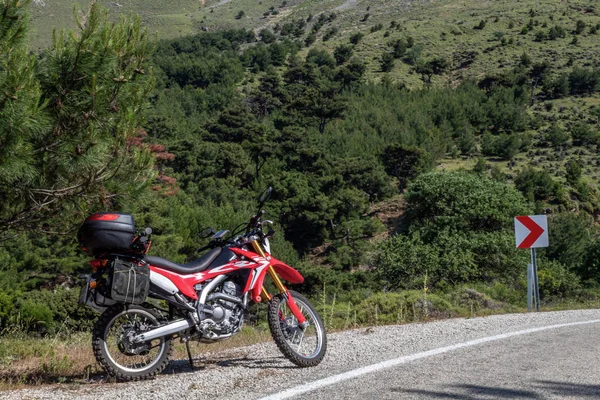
(529, 286)
(532, 232)
(536, 286)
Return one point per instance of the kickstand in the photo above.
(187, 346)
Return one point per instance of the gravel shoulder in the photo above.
(258, 370)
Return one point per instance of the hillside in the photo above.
(446, 28)
(474, 39)
(343, 92)
(495, 86)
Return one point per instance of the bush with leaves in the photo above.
(504, 146)
(386, 62)
(582, 134)
(573, 172)
(537, 185)
(458, 229)
(557, 32)
(432, 67)
(331, 32)
(403, 261)
(573, 240)
(462, 202)
(589, 271)
(342, 53)
(584, 81)
(580, 26)
(405, 162)
(267, 36)
(355, 38)
(557, 282)
(556, 136)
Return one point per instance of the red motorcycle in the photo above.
(148, 301)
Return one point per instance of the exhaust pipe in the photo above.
(225, 297)
(173, 327)
(182, 324)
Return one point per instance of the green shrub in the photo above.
(458, 229)
(556, 281)
(583, 134)
(513, 294)
(342, 53)
(462, 202)
(37, 317)
(580, 26)
(404, 261)
(556, 136)
(406, 306)
(355, 38)
(537, 185)
(584, 81)
(386, 62)
(571, 237)
(590, 268)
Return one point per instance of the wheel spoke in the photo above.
(294, 337)
(128, 356)
(305, 341)
(300, 344)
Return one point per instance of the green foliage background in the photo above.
(193, 128)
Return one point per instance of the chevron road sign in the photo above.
(531, 231)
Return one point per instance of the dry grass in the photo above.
(27, 361)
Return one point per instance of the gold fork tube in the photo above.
(264, 294)
(278, 284)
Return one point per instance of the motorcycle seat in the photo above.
(198, 265)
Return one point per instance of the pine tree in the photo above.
(387, 62)
(73, 125)
(342, 53)
(21, 117)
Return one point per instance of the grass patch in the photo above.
(29, 361)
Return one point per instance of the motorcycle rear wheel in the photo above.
(121, 358)
(304, 347)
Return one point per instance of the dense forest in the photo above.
(185, 133)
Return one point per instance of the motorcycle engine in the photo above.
(223, 317)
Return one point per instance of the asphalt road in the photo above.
(519, 356)
(559, 363)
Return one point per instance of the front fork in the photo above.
(279, 285)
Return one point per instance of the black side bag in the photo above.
(130, 281)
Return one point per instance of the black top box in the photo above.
(106, 232)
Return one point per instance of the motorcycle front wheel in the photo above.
(118, 355)
(304, 346)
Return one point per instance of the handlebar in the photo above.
(254, 220)
(253, 228)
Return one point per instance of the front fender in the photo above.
(286, 272)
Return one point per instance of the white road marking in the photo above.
(332, 380)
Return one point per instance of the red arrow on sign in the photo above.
(535, 232)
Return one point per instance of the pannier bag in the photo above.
(130, 281)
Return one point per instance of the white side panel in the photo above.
(163, 282)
